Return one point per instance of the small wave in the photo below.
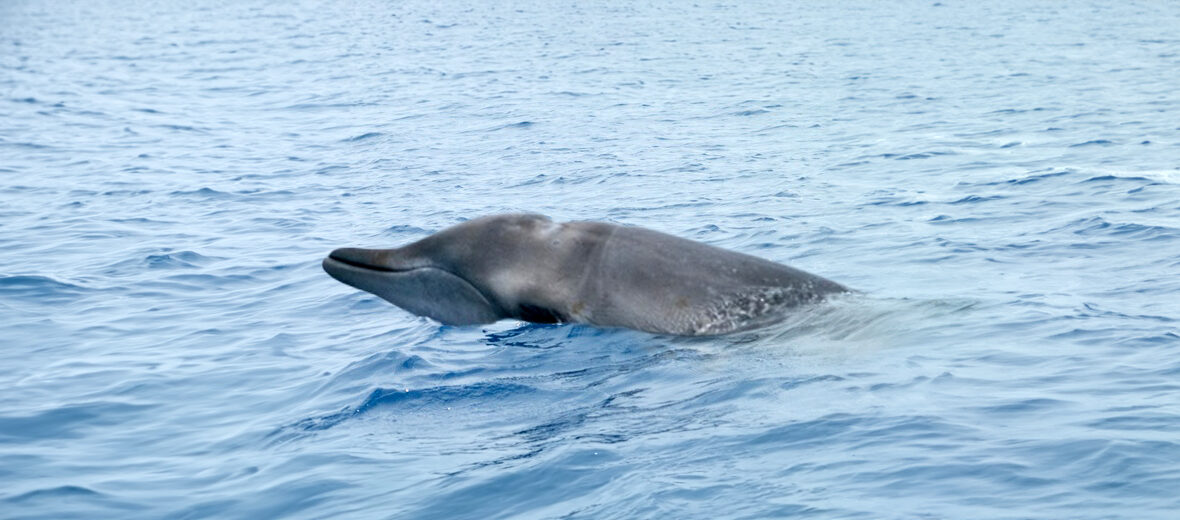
(571, 420)
(210, 280)
(1098, 226)
(1160, 176)
(203, 192)
(64, 422)
(913, 156)
(790, 385)
(34, 146)
(1103, 178)
(1037, 405)
(179, 259)
(1163, 423)
(384, 364)
(1033, 178)
(754, 112)
(182, 128)
(362, 137)
(972, 199)
(403, 229)
(1095, 142)
(897, 201)
(520, 124)
(416, 399)
(1021, 110)
(38, 287)
(947, 219)
(55, 493)
(318, 106)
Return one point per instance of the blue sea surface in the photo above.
(1000, 181)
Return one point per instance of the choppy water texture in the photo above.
(1001, 181)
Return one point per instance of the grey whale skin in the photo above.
(528, 267)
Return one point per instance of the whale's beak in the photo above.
(372, 259)
(414, 284)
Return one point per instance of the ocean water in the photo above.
(1000, 181)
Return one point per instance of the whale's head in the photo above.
(480, 271)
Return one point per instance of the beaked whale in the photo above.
(528, 267)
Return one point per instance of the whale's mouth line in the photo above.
(369, 267)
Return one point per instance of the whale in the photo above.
(528, 267)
